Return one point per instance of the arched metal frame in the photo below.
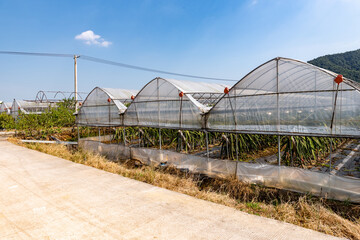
(103, 106)
(280, 97)
(45, 96)
(158, 104)
(288, 97)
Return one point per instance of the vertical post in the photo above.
(338, 81)
(237, 154)
(279, 153)
(78, 133)
(124, 136)
(291, 152)
(75, 83)
(139, 137)
(118, 134)
(207, 143)
(160, 138)
(236, 148)
(99, 134)
(330, 155)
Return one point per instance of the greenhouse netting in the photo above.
(168, 103)
(288, 97)
(104, 106)
(29, 107)
(5, 107)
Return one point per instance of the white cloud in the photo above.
(90, 38)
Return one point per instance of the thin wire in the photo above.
(99, 60)
(38, 54)
(118, 64)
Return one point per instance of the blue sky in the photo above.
(218, 38)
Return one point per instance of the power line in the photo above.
(118, 64)
(99, 60)
(38, 54)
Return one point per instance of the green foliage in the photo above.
(6, 121)
(42, 125)
(347, 64)
(307, 151)
(60, 116)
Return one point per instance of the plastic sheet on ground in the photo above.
(289, 178)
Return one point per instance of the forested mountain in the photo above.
(347, 64)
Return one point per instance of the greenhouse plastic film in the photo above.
(160, 105)
(300, 180)
(112, 151)
(103, 106)
(289, 97)
(294, 179)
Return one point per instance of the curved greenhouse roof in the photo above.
(103, 106)
(288, 97)
(5, 107)
(168, 103)
(28, 107)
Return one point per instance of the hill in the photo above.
(347, 64)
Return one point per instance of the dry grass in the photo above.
(330, 217)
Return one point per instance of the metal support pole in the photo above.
(124, 136)
(236, 148)
(332, 123)
(78, 133)
(207, 144)
(160, 138)
(331, 146)
(75, 83)
(237, 154)
(291, 152)
(279, 153)
(139, 138)
(99, 134)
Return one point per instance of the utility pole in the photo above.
(75, 82)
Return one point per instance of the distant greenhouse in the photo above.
(29, 107)
(168, 103)
(5, 107)
(104, 106)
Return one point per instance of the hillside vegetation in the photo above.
(347, 64)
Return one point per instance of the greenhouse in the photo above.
(28, 107)
(5, 107)
(288, 97)
(168, 103)
(104, 107)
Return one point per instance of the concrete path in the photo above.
(45, 197)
